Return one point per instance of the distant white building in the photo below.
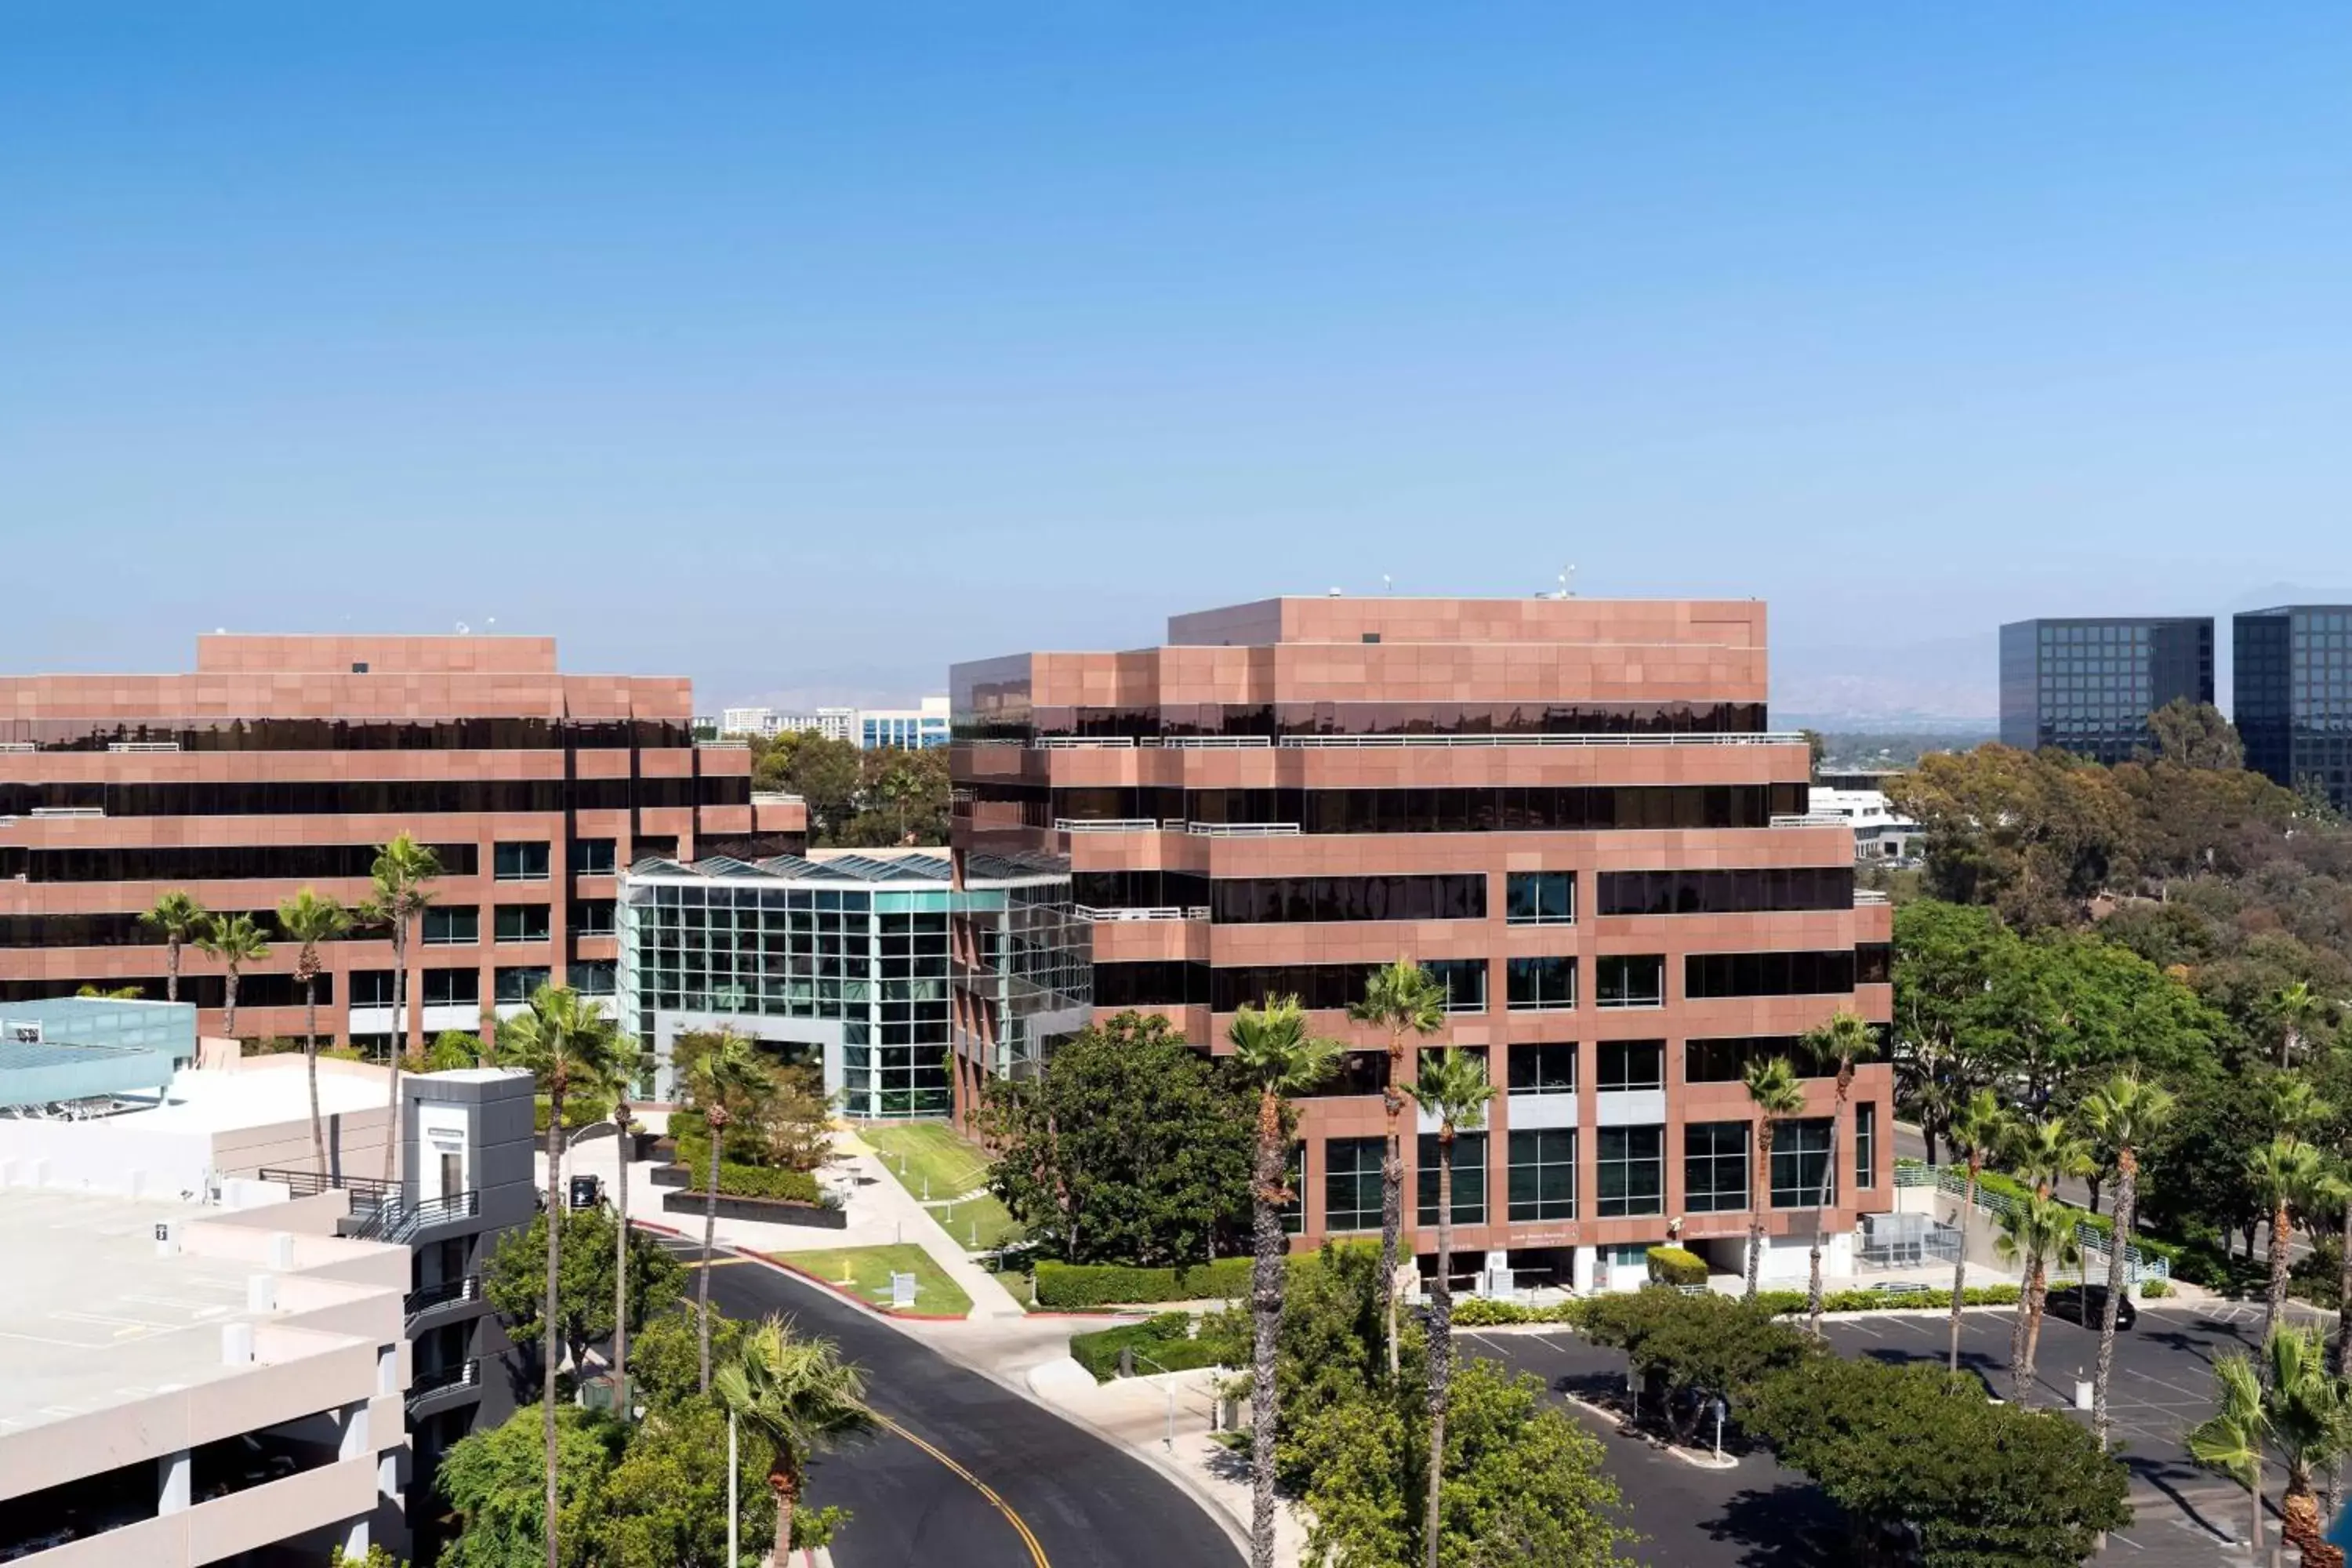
(1880, 832)
(865, 728)
(760, 721)
(910, 729)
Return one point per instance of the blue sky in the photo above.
(805, 349)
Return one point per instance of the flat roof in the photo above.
(852, 869)
(226, 1101)
(90, 1318)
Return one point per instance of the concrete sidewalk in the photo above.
(880, 1212)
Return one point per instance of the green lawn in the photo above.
(983, 1216)
(937, 1162)
(868, 1269)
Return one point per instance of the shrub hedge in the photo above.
(1079, 1285)
(1166, 1339)
(2011, 1188)
(1676, 1266)
(758, 1181)
(1476, 1311)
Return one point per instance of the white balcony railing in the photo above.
(75, 811)
(1154, 912)
(143, 745)
(1084, 743)
(1209, 742)
(1106, 825)
(1536, 739)
(1810, 819)
(1862, 896)
(1242, 830)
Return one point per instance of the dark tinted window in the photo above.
(1267, 899)
(220, 863)
(1543, 1068)
(1708, 974)
(1726, 892)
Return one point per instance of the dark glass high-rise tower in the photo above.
(2292, 689)
(2088, 685)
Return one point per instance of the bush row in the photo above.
(1476, 1311)
(757, 1181)
(1079, 1285)
(1167, 1339)
(2011, 1188)
(1676, 1266)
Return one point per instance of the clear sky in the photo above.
(805, 348)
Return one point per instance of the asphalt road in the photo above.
(1069, 1500)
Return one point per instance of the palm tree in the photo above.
(402, 869)
(800, 1396)
(721, 1074)
(2041, 1231)
(235, 942)
(1452, 1086)
(566, 1042)
(1275, 1052)
(2310, 1425)
(1978, 1128)
(1846, 1038)
(2296, 1108)
(1401, 998)
(2285, 1171)
(1774, 1091)
(2230, 1441)
(2296, 1009)
(307, 919)
(182, 920)
(2124, 1113)
(2045, 1152)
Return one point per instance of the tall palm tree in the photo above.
(1275, 1052)
(720, 1076)
(1977, 1128)
(1846, 1039)
(1774, 1089)
(182, 920)
(2124, 1113)
(1402, 998)
(2232, 1439)
(1451, 1085)
(800, 1396)
(2310, 1427)
(2296, 1110)
(2296, 1009)
(402, 870)
(566, 1042)
(307, 919)
(235, 942)
(2285, 1171)
(2040, 1231)
(2045, 1152)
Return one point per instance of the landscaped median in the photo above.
(1162, 1343)
(864, 1272)
(1478, 1312)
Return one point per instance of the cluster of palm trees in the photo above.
(1776, 1093)
(1274, 1050)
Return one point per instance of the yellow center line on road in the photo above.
(1020, 1525)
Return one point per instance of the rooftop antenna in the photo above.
(463, 628)
(1568, 581)
(1387, 584)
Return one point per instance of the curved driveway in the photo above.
(1085, 1503)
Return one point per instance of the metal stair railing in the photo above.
(1954, 1179)
(397, 1219)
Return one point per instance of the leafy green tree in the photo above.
(1846, 1039)
(454, 1048)
(587, 1291)
(1979, 1129)
(2299, 1012)
(235, 942)
(1523, 1482)
(829, 774)
(1402, 998)
(182, 920)
(1684, 1348)
(1330, 1349)
(1130, 1147)
(492, 1480)
(1451, 1087)
(1946, 1039)
(2036, 835)
(402, 881)
(801, 1397)
(2124, 1115)
(720, 1075)
(309, 920)
(665, 1504)
(376, 1557)
(2195, 735)
(1774, 1091)
(1275, 1052)
(1982, 1484)
(665, 1360)
(564, 1041)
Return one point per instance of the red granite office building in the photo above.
(282, 763)
(1571, 811)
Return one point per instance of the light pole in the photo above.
(1719, 1428)
(731, 1558)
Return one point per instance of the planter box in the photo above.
(672, 1176)
(768, 1211)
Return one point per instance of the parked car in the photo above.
(2088, 1305)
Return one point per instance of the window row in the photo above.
(338, 735)
(1489, 717)
(1509, 810)
(202, 990)
(376, 797)
(216, 863)
(1714, 974)
(1266, 901)
(1726, 892)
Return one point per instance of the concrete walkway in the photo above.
(881, 1213)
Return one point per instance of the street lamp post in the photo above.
(731, 1558)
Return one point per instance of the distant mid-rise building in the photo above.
(2292, 690)
(2087, 685)
(908, 729)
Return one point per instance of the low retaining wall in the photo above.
(767, 1211)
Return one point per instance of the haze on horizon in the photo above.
(804, 351)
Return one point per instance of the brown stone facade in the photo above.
(280, 762)
(1338, 743)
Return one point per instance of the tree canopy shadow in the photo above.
(1793, 1525)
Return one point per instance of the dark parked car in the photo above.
(2088, 1305)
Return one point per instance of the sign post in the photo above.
(1719, 1428)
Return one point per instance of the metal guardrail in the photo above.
(1106, 825)
(368, 1193)
(1082, 743)
(465, 1374)
(1810, 819)
(121, 746)
(395, 1219)
(1954, 1179)
(79, 812)
(1209, 742)
(1242, 830)
(1156, 913)
(449, 1292)
(1865, 895)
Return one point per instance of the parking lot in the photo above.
(1760, 1514)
